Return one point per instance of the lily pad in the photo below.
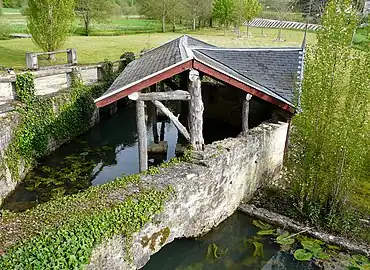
(285, 239)
(321, 255)
(258, 252)
(261, 225)
(311, 246)
(302, 255)
(267, 232)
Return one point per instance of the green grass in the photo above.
(97, 48)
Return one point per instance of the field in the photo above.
(98, 48)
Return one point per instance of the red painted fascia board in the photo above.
(145, 83)
(229, 80)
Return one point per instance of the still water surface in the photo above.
(237, 247)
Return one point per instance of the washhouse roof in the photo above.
(269, 73)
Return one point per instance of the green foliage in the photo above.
(302, 255)
(4, 28)
(330, 137)
(12, 3)
(127, 58)
(49, 22)
(358, 262)
(94, 10)
(69, 246)
(223, 11)
(267, 232)
(285, 239)
(42, 122)
(25, 88)
(245, 10)
(262, 225)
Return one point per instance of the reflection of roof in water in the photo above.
(272, 71)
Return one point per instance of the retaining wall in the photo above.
(206, 193)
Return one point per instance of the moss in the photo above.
(162, 235)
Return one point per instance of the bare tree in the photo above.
(283, 8)
(197, 10)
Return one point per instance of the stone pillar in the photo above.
(245, 116)
(141, 130)
(196, 109)
(32, 61)
(72, 56)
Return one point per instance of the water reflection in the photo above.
(233, 245)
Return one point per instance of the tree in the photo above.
(246, 11)
(196, 10)
(283, 8)
(223, 11)
(94, 10)
(158, 9)
(49, 22)
(330, 137)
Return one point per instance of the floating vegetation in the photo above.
(302, 255)
(213, 252)
(285, 239)
(267, 232)
(359, 262)
(262, 225)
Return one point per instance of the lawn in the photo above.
(98, 48)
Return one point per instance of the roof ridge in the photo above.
(250, 49)
(243, 76)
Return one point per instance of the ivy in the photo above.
(25, 87)
(70, 246)
(47, 119)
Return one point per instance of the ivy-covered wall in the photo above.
(40, 124)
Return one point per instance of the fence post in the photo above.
(32, 61)
(72, 56)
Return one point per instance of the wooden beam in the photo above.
(141, 130)
(140, 85)
(229, 80)
(245, 116)
(173, 118)
(173, 95)
(171, 84)
(196, 109)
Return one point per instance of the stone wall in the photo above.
(206, 193)
(50, 80)
(9, 121)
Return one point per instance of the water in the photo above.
(233, 245)
(106, 151)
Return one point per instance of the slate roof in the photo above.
(273, 71)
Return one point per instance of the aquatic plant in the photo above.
(285, 239)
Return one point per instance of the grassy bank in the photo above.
(97, 48)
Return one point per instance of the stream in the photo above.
(233, 245)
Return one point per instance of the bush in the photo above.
(4, 29)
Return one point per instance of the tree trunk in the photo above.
(194, 22)
(141, 130)
(248, 30)
(87, 25)
(210, 22)
(280, 31)
(196, 109)
(163, 23)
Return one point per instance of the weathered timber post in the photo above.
(163, 126)
(72, 56)
(153, 88)
(141, 130)
(245, 116)
(196, 109)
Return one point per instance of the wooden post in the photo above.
(153, 88)
(163, 126)
(196, 109)
(141, 130)
(245, 117)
